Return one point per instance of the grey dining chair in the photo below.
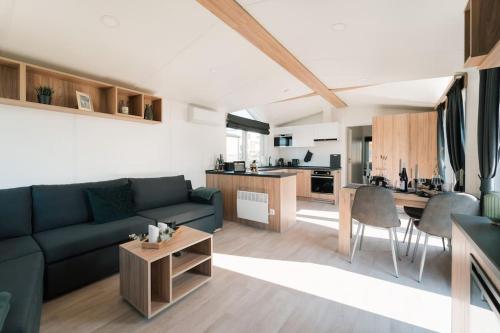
(415, 214)
(436, 219)
(374, 206)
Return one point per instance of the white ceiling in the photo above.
(179, 50)
(406, 95)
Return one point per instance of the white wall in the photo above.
(43, 147)
(471, 112)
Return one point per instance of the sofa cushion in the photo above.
(158, 192)
(180, 213)
(23, 279)
(56, 206)
(111, 203)
(15, 212)
(70, 241)
(13, 248)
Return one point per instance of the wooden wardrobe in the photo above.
(411, 137)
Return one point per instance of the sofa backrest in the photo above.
(56, 206)
(15, 212)
(158, 192)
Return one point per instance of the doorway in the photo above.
(359, 154)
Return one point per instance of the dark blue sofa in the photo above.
(49, 244)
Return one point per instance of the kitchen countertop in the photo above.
(252, 174)
(483, 233)
(303, 167)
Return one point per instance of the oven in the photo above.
(322, 182)
(484, 308)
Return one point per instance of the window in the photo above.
(242, 145)
(234, 145)
(254, 147)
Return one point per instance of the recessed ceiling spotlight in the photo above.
(110, 21)
(213, 70)
(338, 27)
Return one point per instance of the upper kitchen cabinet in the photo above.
(482, 33)
(308, 135)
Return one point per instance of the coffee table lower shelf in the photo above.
(182, 286)
(152, 280)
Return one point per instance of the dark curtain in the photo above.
(488, 133)
(455, 132)
(245, 124)
(440, 141)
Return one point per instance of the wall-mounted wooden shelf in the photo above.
(482, 33)
(18, 81)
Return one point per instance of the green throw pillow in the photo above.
(111, 203)
(4, 307)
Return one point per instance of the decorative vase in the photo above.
(44, 99)
(148, 112)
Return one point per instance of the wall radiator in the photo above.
(253, 206)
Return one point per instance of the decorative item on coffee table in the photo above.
(44, 94)
(152, 280)
(158, 236)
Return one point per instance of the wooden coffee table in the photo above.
(152, 280)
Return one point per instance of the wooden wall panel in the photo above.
(411, 137)
(423, 144)
(9, 81)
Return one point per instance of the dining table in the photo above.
(347, 193)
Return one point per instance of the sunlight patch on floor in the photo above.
(410, 305)
(319, 213)
(330, 219)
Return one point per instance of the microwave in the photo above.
(239, 166)
(283, 140)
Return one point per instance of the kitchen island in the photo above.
(280, 188)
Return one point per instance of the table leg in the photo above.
(345, 222)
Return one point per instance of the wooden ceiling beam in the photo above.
(235, 16)
(334, 90)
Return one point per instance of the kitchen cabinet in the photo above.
(303, 183)
(482, 34)
(411, 138)
(304, 135)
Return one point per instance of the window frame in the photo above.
(244, 145)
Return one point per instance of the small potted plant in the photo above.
(44, 94)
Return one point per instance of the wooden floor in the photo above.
(291, 282)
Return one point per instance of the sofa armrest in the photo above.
(217, 201)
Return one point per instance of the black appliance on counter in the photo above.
(322, 182)
(335, 161)
(239, 166)
(484, 311)
(295, 162)
(379, 181)
(281, 162)
(228, 166)
(283, 140)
